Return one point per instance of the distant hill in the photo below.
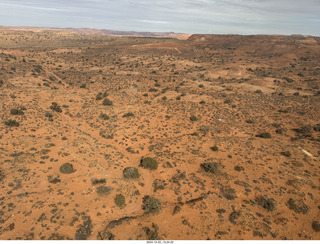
(98, 31)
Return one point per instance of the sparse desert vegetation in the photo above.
(115, 137)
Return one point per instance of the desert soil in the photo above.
(232, 121)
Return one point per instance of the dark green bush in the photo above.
(286, 153)
(55, 107)
(149, 163)
(305, 130)
(11, 123)
(193, 118)
(213, 168)
(268, 204)
(126, 115)
(15, 111)
(264, 135)
(298, 206)
(214, 148)
(83, 86)
(104, 190)
(131, 173)
(104, 116)
(316, 226)
(66, 168)
(151, 205)
(250, 121)
(99, 96)
(107, 102)
(120, 200)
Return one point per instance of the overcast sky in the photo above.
(187, 16)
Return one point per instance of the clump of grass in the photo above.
(268, 204)
(238, 168)
(15, 111)
(66, 168)
(95, 181)
(104, 190)
(99, 96)
(55, 107)
(250, 121)
(120, 200)
(126, 115)
(264, 135)
(193, 118)
(151, 205)
(227, 101)
(149, 163)
(131, 173)
(107, 102)
(316, 226)
(213, 168)
(104, 116)
(286, 153)
(12, 123)
(298, 206)
(214, 148)
(83, 85)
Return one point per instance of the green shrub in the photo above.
(104, 190)
(193, 118)
(286, 153)
(126, 115)
(264, 135)
(120, 200)
(214, 148)
(305, 130)
(316, 226)
(268, 204)
(11, 123)
(213, 168)
(149, 163)
(107, 102)
(16, 112)
(104, 116)
(151, 205)
(250, 121)
(238, 168)
(55, 107)
(83, 86)
(298, 206)
(66, 168)
(99, 96)
(131, 173)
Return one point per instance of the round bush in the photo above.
(149, 163)
(131, 173)
(120, 200)
(66, 168)
(151, 205)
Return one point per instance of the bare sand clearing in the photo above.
(231, 123)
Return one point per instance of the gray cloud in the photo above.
(201, 16)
